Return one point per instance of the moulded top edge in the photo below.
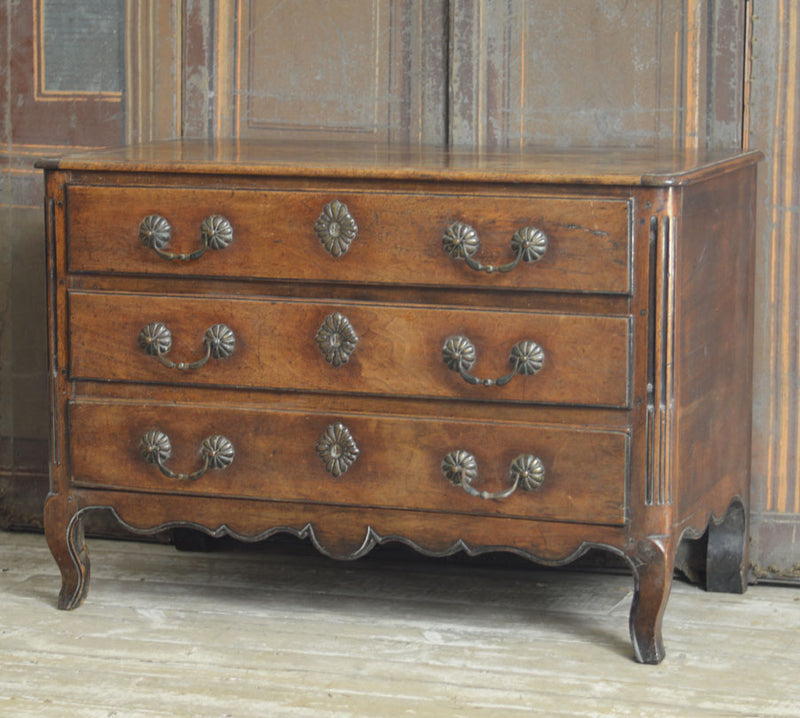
(362, 160)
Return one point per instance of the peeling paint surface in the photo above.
(670, 73)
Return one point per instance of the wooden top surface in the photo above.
(381, 161)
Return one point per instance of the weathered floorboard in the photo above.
(277, 630)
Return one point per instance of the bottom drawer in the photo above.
(526, 471)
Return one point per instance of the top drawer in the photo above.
(398, 237)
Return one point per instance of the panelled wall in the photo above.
(62, 85)
(774, 124)
(671, 73)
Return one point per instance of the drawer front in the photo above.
(375, 461)
(353, 348)
(398, 238)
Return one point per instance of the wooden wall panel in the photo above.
(54, 99)
(315, 68)
(198, 46)
(774, 114)
(6, 420)
(666, 73)
(672, 73)
(63, 117)
(312, 68)
(153, 96)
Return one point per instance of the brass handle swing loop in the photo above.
(459, 354)
(216, 232)
(155, 339)
(216, 450)
(461, 469)
(461, 241)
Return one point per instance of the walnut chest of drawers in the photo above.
(537, 352)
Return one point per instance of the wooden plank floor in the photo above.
(277, 630)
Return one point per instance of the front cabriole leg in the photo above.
(652, 560)
(63, 527)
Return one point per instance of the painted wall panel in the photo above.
(773, 127)
(674, 73)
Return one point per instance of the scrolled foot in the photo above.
(653, 563)
(64, 532)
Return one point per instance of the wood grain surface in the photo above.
(247, 631)
(399, 237)
(365, 159)
(399, 349)
(670, 359)
(398, 464)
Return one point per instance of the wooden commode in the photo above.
(540, 352)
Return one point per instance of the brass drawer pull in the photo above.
(458, 352)
(156, 340)
(461, 469)
(216, 232)
(461, 241)
(336, 228)
(217, 453)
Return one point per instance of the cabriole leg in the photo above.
(726, 558)
(64, 532)
(653, 563)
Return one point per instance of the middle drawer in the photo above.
(349, 347)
